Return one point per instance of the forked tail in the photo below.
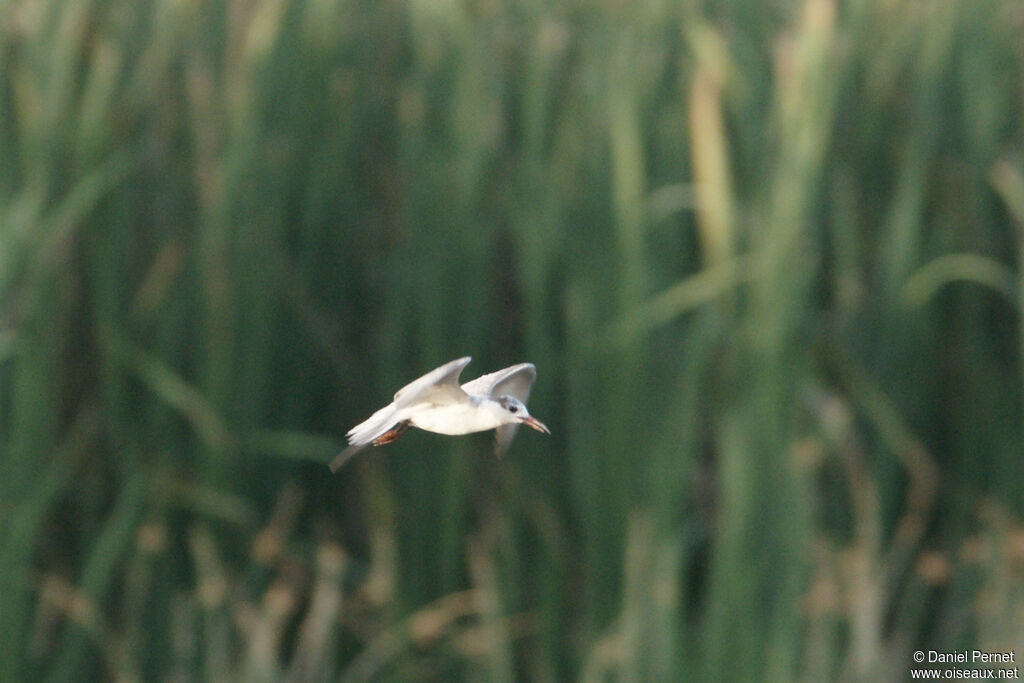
(364, 434)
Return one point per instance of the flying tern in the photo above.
(437, 403)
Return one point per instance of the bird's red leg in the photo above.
(392, 434)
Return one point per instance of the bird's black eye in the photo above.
(512, 409)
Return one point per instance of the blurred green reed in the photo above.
(765, 257)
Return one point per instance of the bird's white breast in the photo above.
(457, 418)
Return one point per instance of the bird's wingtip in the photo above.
(343, 457)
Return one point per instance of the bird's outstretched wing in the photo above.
(440, 384)
(515, 381)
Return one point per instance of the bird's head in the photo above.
(515, 412)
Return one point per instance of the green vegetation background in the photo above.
(765, 256)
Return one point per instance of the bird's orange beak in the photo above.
(531, 421)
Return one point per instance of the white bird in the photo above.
(435, 402)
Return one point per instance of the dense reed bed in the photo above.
(766, 257)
